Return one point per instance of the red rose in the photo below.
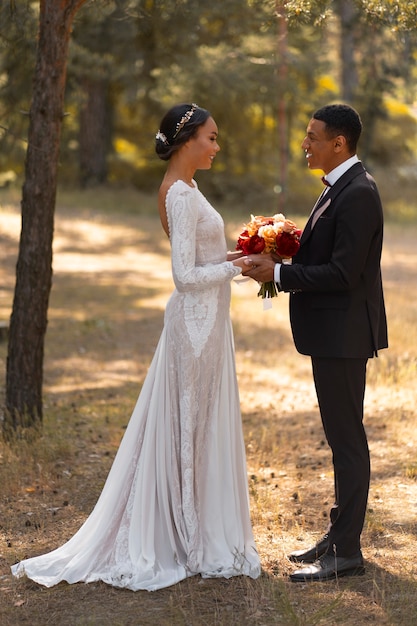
(242, 237)
(287, 245)
(253, 245)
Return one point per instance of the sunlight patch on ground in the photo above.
(83, 373)
(10, 220)
(126, 260)
(84, 246)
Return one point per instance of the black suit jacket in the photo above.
(336, 302)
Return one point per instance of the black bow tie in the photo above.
(325, 182)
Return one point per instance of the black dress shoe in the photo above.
(329, 567)
(311, 555)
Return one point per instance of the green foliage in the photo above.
(398, 15)
(261, 68)
(18, 28)
(395, 134)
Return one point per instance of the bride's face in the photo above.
(203, 147)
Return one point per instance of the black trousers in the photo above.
(340, 387)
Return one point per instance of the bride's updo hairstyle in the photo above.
(177, 127)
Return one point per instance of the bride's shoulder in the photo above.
(171, 189)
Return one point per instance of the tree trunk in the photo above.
(28, 322)
(282, 69)
(348, 20)
(94, 133)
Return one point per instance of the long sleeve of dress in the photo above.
(196, 263)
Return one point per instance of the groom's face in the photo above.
(321, 150)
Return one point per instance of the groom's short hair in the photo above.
(341, 119)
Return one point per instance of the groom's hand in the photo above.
(260, 267)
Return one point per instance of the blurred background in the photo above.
(260, 66)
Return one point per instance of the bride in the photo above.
(175, 503)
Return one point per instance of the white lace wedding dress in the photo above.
(175, 503)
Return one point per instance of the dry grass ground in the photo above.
(111, 282)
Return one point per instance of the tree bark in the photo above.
(348, 19)
(282, 69)
(24, 375)
(94, 133)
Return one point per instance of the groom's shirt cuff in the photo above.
(277, 274)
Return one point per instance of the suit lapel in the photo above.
(325, 199)
(319, 211)
(321, 205)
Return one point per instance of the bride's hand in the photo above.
(240, 262)
(236, 254)
(260, 267)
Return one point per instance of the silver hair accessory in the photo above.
(162, 138)
(185, 118)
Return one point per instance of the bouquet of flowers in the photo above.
(275, 235)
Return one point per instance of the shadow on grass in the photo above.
(269, 600)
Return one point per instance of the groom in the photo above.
(337, 317)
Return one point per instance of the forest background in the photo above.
(261, 68)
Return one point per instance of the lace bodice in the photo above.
(197, 240)
(200, 270)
